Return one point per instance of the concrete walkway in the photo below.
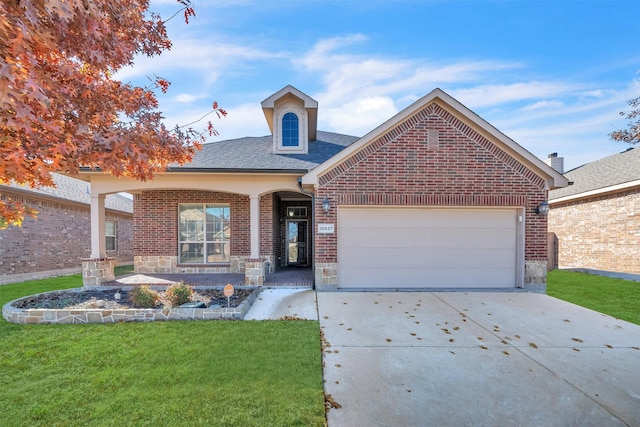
(477, 359)
(278, 303)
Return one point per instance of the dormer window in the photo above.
(290, 130)
(292, 117)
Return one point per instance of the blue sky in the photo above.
(551, 75)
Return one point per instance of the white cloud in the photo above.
(486, 95)
(318, 58)
(348, 77)
(242, 120)
(578, 133)
(359, 116)
(207, 59)
(598, 93)
(187, 98)
(544, 105)
(573, 107)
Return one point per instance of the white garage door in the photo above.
(426, 248)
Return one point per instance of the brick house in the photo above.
(435, 197)
(55, 242)
(597, 219)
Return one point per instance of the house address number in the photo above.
(326, 228)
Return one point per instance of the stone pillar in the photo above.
(96, 271)
(254, 272)
(535, 276)
(326, 277)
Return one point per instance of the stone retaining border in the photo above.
(96, 315)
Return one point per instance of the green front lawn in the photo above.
(229, 373)
(615, 297)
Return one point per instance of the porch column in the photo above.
(97, 269)
(254, 208)
(254, 273)
(98, 238)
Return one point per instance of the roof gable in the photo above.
(464, 119)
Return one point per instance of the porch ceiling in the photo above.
(249, 184)
(290, 196)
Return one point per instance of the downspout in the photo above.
(313, 226)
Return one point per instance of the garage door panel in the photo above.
(430, 257)
(437, 218)
(415, 247)
(427, 278)
(427, 237)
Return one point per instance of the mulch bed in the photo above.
(106, 299)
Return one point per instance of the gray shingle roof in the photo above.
(256, 153)
(75, 190)
(612, 170)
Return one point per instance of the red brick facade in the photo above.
(267, 213)
(432, 159)
(58, 239)
(156, 221)
(600, 233)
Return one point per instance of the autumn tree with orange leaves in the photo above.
(61, 108)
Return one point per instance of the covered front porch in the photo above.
(260, 212)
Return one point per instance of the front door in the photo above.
(297, 243)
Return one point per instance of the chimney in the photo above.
(555, 162)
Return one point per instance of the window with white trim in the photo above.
(110, 231)
(204, 233)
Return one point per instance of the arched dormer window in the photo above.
(290, 127)
(292, 117)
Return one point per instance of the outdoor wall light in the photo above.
(543, 208)
(326, 205)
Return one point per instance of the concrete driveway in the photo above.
(485, 359)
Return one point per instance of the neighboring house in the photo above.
(597, 219)
(55, 242)
(435, 197)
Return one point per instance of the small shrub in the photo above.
(143, 297)
(178, 294)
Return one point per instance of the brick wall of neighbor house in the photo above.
(433, 159)
(124, 238)
(58, 239)
(585, 242)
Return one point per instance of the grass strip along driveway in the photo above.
(158, 373)
(615, 297)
